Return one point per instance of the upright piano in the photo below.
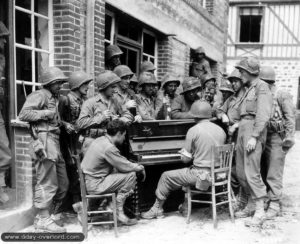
(155, 144)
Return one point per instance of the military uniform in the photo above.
(255, 112)
(198, 143)
(5, 152)
(91, 121)
(180, 108)
(148, 107)
(281, 126)
(52, 181)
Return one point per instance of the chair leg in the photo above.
(189, 198)
(214, 206)
(115, 214)
(230, 204)
(84, 218)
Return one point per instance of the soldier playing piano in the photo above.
(199, 140)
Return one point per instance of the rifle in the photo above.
(37, 145)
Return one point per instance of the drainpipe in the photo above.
(90, 55)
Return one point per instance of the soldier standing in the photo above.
(256, 107)
(112, 57)
(200, 66)
(41, 110)
(198, 143)
(98, 110)
(133, 84)
(181, 105)
(69, 109)
(125, 96)
(167, 94)
(280, 138)
(148, 107)
(5, 153)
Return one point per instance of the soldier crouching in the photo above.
(41, 110)
(106, 170)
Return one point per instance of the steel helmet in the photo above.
(147, 66)
(190, 83)
(112, 50)
(122, 70)
(52, 75)
(147, 78)
(235, 74)
(105, 79)
(267, 73)
(3, 30)
(199, 50)
(201, 110)
(226, 85)
(78, 78)
(170, 78)
(207, 78)
(249, 64)
(134, 79)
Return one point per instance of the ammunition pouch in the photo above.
(277, 127)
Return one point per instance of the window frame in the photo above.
(34, 83)
(238, 27)
(113, 28)
(155, 57)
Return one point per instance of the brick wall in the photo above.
(287, 74)
(99, 35)
(24, 167)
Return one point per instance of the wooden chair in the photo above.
(220, 179)
(85, 203)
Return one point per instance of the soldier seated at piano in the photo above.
(107, 171)
(148, 105)
(181, 105)
(197, 148)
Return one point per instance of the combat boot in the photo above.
(78, 208)
(242, 200)
(120, 211)
(183, 208)
(46, 224)
(273, 210)
(259, 216)
(3, 195)
(155, 212)
(56, 216)
(247, 211)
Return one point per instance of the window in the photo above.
(137, 43)
(250, 24)
(109, 28)
(33, 50)
(149, 47)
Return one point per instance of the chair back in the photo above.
(76, 159)
(222, 162)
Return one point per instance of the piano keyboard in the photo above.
(159, 158)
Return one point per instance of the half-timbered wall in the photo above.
(279, 44)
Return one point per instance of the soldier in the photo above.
(5, 153)
(148, 66)
(98, 110)
(181, 105)
(168, 94)
(107, 171)
(198, 143)
(200, 66)
(230, 115)
(112, 57)
(148, 107)
(125, 96)
(133, 84)
(280, 138)
(41, 110)
(226, 90)
(69, 109)
(256, 107)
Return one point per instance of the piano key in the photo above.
(159, 156)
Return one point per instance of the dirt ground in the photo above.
(173, 228)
